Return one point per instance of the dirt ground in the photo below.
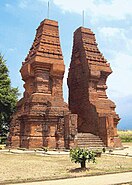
(37, 166)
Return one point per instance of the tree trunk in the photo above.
(83, 164)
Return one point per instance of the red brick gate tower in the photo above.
(87, 91)
(42, 117)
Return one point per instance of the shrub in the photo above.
(104, 150)
(79, 155)
(3, 139)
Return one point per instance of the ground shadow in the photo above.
(75, 170)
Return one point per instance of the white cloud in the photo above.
(23, 4)
(12, 49)
(115, 39)
(65, 88)
(110, 31)
(119, 81)
(71, 6)
(65, 76)
(116, 9)
(43, 1)
(7, 5)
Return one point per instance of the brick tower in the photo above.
(87, 90)
(42, 117)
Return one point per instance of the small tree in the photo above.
(79, 155)
(8, 97)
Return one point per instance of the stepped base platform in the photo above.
(88, 140)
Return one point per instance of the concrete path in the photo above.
(108, 179)
(127, 151)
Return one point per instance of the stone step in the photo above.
(87, 135)
(90, 142)
(92, 138)
(90, 146)
(86, 140)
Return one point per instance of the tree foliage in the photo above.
(8, 97)
(79, 155)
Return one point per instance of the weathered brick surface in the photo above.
(40, 117)
(87, 89)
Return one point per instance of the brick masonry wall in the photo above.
(40, 117)
(87, 77)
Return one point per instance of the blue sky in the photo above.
(110, 20)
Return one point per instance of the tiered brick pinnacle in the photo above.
(87, 89)
(42, 117)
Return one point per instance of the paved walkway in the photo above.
(126, 151)
(108, 179)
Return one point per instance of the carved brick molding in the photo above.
(87, 89)
(42, 117)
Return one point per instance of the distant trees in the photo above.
(8, 97)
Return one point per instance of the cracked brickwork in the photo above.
(42, 118)
(87, 77)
